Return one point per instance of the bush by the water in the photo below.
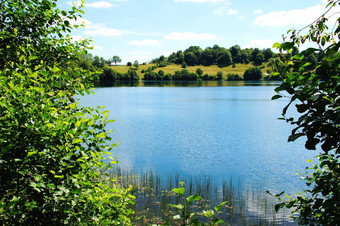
(253, 74)
(52, 161)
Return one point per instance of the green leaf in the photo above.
(177, 217)
(178, 206)
(208, 213)
(275, 97)
(277, 45)
(193, 198)
(279, 206)
(179, 191)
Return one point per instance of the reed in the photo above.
(154, 194)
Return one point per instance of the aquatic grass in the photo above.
(154, 193)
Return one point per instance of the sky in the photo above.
(146, 29)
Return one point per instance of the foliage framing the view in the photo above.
(315, 91)
(51, 149)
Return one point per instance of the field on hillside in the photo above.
(211, 70)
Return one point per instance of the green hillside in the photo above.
(211, 70)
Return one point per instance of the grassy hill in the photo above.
(211, 70)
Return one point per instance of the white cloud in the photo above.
(186, 36)
(102, 30)
(296, 16)
(224, 9)
(99, 5)
(146, 42)
(261, 44)
(231, 12)
(141, 59)
(77, 38)
(200, 1)
(80, 21)
(220, 10)
(166, 54)
(258, 11)
(96, 29)
(325, 2)
(97, 47)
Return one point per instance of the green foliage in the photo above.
(219, 75)
(116, 59)
(199, 71)
(136, 64)
(52, 169)
(314, 89)
(233, 77)
(193, 218)
(236, 53)
(253, 74)
(153, 76)
(268, 54)
(259, 59)
(108, 74)
(215, 55)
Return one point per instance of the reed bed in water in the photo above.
(154, 194)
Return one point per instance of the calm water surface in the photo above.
(219, 129)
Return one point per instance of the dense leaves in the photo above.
(253, 73)
(313, 86)
(52, 169)
(216, 55)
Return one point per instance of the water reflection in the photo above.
(147, 83)
(223, 129)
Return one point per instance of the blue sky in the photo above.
(145, 29)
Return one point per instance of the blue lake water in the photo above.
(219, 129)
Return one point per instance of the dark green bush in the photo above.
(52, 164)
(253, 73)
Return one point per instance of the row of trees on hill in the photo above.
(100, 66)
(216, 55)
(192, 56)
(252, 74)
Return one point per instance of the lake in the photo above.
(219, 129)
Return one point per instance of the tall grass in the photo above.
(154, 194)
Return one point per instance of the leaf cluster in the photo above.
(314, 90)
(187, 217)
(52, 165)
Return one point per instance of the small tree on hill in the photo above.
(259, 59)
(199, 71)
(136, 64)
(116, 59)
(253, 73)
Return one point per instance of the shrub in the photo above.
(199, 71)
(219, 75)
(52, 164)
(108, 74)
(233, 77)
(253, 73)
(313, 89)
(167, 77)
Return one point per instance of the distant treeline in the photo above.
(216, 55)
(253, 73)
(101, 66)
(192, 56)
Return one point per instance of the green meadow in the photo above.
(210, 70)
